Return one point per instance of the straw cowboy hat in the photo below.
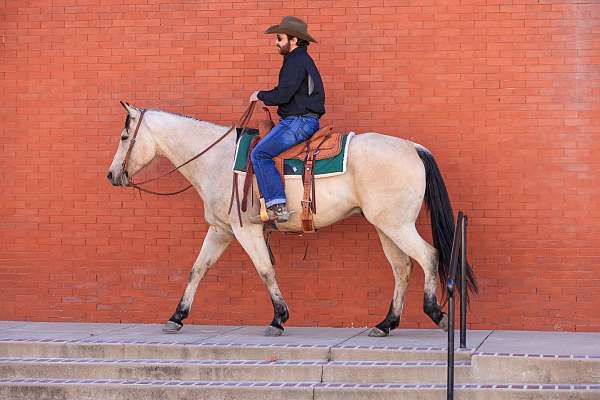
(292, 26)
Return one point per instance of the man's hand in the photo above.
(254, 97)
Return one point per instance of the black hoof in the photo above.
(171, 327)
(444, 323)
(273, 331)
(376, 332)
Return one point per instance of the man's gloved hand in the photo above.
(253, 96)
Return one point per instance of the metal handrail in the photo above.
(459, 243)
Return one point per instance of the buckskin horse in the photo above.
(386, 180)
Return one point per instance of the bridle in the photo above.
(242, 123)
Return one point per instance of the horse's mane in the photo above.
(185, 116)
(174, 113)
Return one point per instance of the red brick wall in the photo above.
(505, 93)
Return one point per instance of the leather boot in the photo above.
(277, 213)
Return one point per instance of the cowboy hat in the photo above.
(292, 26)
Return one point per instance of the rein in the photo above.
(243, 123)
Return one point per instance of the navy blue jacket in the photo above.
(291, 94)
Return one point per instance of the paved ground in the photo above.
(486, 341)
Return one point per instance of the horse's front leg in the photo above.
(215, 243)
(251, 238)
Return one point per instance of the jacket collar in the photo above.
(297, 50)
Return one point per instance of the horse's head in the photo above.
(136, 149)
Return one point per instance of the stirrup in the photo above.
(280, 212)
(276, 213)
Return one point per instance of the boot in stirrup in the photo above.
(276, 213)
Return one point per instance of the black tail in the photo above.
(442, 221)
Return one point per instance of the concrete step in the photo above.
(462, 392)
(88, 389)
(226, 370)
(434, 372)
(219, 351)
(534, 368)
(168, 351)
(390, 353)
(204, 370)
(105, 389)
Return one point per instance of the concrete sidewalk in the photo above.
(478, 341)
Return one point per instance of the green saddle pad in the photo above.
(327, 167)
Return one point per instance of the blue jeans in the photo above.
(287, 133)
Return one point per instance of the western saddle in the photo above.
(325, 143)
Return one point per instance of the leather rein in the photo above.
(242, 123)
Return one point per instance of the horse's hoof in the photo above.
(444, 323)
(171, 327)
(273, 331)
(376, 332)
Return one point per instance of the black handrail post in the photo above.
(450, 383)
(456, 244)
(463, 283)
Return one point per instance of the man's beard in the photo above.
(285, 49)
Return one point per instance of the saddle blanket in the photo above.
(294, 168)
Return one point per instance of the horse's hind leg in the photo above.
(408, 239)
(402, 268)
(215, 243)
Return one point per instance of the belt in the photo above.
(311, 115)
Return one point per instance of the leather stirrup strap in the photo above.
(309, 198)
(313, 202)
(308, 183)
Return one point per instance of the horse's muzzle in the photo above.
(120, 179)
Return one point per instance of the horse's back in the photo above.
(387, 171)
(391, 153)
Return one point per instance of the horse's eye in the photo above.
(124, 137)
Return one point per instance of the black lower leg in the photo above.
(180, 314)
(390, 322)
(432, 309)
(281, 314)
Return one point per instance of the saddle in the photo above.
(325, 143)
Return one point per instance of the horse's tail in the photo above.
(442, 220)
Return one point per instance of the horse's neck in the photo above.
(179, 139)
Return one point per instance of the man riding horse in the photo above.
(387, 180)
(300, 100)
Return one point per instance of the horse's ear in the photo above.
(131, 110)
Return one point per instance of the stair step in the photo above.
(222, 351)
(431, 372)
(390, 353)
(281, 370)
(462, 392)
(107, 389)
(87, 389)
(203, 351)
(535, 368)
(219, 370)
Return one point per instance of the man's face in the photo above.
(283, 44)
